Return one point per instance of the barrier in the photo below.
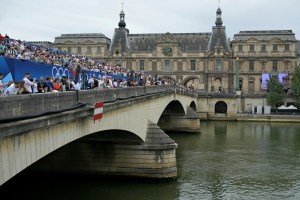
(15, 69)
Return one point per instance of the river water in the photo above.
(227, 160)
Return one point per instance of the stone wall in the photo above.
(26, 105)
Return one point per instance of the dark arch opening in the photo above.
(193, 106)
(113, 137)
(188, 79)
(174, 108)
(221, 107)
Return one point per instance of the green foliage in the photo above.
(296, 84)
(276, 93)
(296, 81)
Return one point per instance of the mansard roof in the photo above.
(265, 35)
(185, 41)
(81, 38)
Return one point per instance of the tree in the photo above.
(296, 84)
(276, 93)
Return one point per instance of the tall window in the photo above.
(154, 66)
(89, 49)
(142, 65)
(78, 49)
(251, 65)
(263, 47)
(98, 49)
(167, 65)
(59, 48)
(251, 85)
(287, 47)
(240, 47)
(251, 47)
(193, 65)
(275, 47)
(263, 66)
(218, 66)
(179, 66)
(69, 49)
(274, 65)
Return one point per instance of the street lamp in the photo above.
(237, 80)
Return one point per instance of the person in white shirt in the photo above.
(78, 85)
(28, 83)
(12, 89)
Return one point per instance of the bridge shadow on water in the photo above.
(37, 186)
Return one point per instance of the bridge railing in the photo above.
(27, 105)
(186, 91)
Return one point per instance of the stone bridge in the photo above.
(58, 131)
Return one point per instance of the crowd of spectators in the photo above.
(23, 50)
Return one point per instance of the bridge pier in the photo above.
(155, 158)
(188, 123)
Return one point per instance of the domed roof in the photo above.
(122, 24)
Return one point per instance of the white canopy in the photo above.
(282, 107)
(292, 107)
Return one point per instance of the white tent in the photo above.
(282, 107)
(291, 107)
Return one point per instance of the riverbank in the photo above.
(254, 118)
(269, 118)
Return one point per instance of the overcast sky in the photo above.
(43, 20)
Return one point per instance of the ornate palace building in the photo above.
(93, 45)
(263, 52)
(209, 62)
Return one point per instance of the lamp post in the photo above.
(237, 78)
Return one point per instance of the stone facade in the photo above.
(261, 52)
(201, 60)
(206, 61)
(93, 45)
(298, 52)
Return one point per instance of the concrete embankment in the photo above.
(254, 118)
(269, 118)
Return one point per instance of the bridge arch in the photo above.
(115, 136)
(193, 106)
(174, 108)
(190, 78)
(35, 140)
(168, 77)
(221, 107)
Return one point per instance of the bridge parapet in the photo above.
(27, 105)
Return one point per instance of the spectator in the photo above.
(28, 84)
(13, 89)
(72, 84)
(22, 88)
(65, 83)
(56, 85)
(42, 86)
(49, 84)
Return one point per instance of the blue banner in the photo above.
(15, 69)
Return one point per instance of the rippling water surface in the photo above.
(227, 160)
